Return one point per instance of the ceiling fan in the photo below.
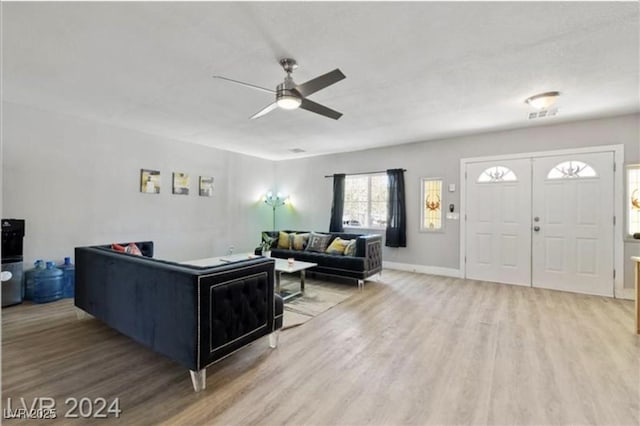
(290, 95)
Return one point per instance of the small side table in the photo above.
(637, 269)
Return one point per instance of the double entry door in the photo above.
(543, 221)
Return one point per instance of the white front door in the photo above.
(572, 209)
(498, 237)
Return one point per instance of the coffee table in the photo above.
(284, 266)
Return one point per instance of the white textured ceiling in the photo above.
(415, 71)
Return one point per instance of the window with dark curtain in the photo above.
(396, 235)
(337, 207)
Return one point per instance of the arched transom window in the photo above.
(497, 174)
(571, 170)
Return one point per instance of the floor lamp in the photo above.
(275, 201)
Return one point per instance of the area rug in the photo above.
(319, 296)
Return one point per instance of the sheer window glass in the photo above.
(365, 201)
(497, 174)
(571, 170)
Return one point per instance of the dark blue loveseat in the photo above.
(193, 315)
(366, 261)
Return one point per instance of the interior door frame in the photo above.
(618, 196)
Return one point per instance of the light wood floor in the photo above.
(409, 349)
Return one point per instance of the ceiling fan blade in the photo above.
(320, 109)
(319, 83)
(249, 85)
(264, 111)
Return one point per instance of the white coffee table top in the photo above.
(283, 265)
(219, 260)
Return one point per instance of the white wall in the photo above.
(441, 158)
(76, 182)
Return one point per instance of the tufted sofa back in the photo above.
(366, 262)
(193, 315)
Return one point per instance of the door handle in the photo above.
(536, 228)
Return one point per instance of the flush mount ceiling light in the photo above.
(543, 100)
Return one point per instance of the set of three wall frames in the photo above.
(150, 183)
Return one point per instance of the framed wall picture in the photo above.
(149, 181)
(206, 186)
(180, 183)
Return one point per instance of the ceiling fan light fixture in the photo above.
(290, 95)
(543, 100)
(288, 102)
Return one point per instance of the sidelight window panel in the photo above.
(632, 202)
(431, 204)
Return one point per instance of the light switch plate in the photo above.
(452, 187)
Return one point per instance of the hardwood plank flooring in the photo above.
(408, 349)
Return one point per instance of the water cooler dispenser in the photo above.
(12, 237)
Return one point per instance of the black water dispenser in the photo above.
(12, 271)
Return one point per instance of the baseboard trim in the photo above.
(423, 269)
(626, 293)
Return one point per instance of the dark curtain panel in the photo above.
(396, 211)
(337, 208)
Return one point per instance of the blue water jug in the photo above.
(28, 279)
(68, 277)
(47, 284)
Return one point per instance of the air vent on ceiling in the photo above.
(543, 113)
(297, 150)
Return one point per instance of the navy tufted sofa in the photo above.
(366, 262)
(193, 315)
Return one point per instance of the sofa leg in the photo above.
(273, 339)
(360, 284)
(199, 379)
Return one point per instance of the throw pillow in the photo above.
(350, 249)
(300, 241)
(337, 246)
(318, 242)
(284, 240)
(118, 248)
(132, 248)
